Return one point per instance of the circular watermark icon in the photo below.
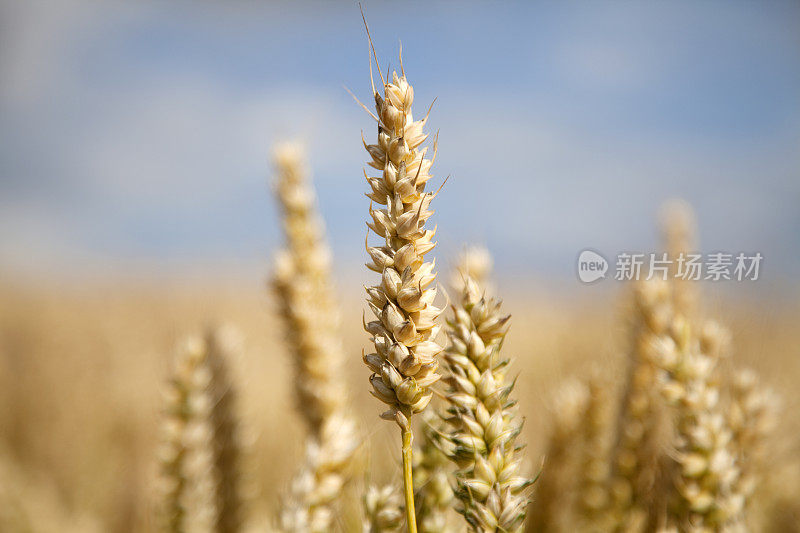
(591, 266)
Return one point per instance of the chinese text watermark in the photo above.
(631, 266)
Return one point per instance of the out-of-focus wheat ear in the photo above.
(432, 481)
(555, 489)
(679, 236)
(302, 282)
(752, 416)
(188, 471)
(222, 344)
(705, 473)
(492, 491)
(642, 424)
(383, 510)
(594, 449)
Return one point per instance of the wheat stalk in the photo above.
(404, 364)
(302, 283)
(383, 512)
(484, 427)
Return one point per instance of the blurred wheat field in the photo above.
(240, 404)
(82, 372)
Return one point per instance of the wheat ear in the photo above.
(404, 364)
(594, 447)
(705, 473)
(490, 488)
(302, 283)
(556, 485)
(637, 453)
(189, 479)
(383, 510)
(752, 418)
(222, 344)
(434, 494)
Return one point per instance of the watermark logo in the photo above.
(591, 266)
(631, 266)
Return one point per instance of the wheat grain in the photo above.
(482, 442)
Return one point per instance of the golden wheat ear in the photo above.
(642, 426)
(303, 285)
(703, 470)
(491, 489)
(199, 454)
(404, 331)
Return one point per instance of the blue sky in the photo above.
(137, 135)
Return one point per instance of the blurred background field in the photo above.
(83, 370)
(135, 205)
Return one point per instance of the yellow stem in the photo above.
(408, 482)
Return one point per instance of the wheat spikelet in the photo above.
(383, 511)
(434, 495)
(705, 474)
(302, 283)
(482, 443)
(189, 481)
(556, 486)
